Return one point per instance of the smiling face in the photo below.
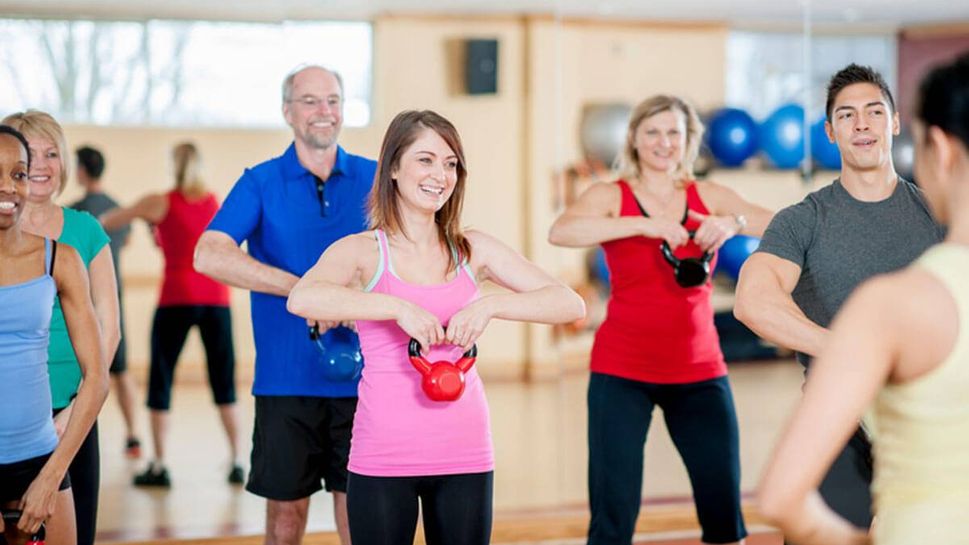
(862, 124)
(426, 172)
(46, 169)
(13, 180)
(660, 141)
(314, 108)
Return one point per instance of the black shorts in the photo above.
(168, 332)
(298, 442)
(15, 478)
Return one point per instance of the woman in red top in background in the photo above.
(187, 299)
(658, 344)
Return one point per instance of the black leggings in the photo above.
(456, 509)
(702, 423)
(85, 474)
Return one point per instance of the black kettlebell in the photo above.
(690, 272)
(10, 520)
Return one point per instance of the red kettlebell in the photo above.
(10, 520)
(442, 380)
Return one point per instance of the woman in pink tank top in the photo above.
(188, 299)
(415, 275)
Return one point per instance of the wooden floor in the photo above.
(539, 434)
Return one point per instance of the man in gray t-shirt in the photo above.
(90, 167)
(839, 241)
(816, 252)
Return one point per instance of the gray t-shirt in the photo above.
(839, 242)
(97, 204)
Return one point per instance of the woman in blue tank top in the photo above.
(33, 463)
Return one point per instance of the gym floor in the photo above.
(539, 432)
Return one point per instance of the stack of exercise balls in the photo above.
(733, 137)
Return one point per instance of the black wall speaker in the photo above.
(481, 67)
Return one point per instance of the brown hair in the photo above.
(629, 161)
(38, 124)
(187, 162)
(384, 208)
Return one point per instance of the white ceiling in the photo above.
(738, 13)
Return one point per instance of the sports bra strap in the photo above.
(385, 260)
(50, 254)
(686, 210)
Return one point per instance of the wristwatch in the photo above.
(741, 221)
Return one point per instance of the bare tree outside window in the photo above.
(177, 73)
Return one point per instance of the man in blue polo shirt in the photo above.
(289, 210)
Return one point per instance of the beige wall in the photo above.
(515, 142)
(577, 62)
(413, 68)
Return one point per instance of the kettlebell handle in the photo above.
(671, 258)
(12, 516)
(414, 350)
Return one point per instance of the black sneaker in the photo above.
(236, 475)
(153, 477)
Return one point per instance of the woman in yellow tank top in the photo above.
(899, 350)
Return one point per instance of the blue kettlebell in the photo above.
(340, 357)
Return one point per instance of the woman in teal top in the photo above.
(43, 217)
(33, 460)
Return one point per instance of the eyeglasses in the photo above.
(321, 196)
(309, 102)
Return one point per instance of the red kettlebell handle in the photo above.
(424, 366)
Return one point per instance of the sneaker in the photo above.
(132, 448)
(236, 475)
(153, 476)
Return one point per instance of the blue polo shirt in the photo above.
(275, 207)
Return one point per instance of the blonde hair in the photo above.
(38, 124)
(629, 160)
(188, 177)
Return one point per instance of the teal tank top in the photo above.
(82, 232)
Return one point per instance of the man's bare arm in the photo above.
(217, 255)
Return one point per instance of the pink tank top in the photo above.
(397, 430)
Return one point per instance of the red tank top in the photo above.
(177, 235)
(656, 331)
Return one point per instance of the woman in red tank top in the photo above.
(187, 299)
(658, 344)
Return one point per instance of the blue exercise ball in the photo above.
(734, 252)
(824, 151)
(598, 268)
(781, 136)
(732, 136)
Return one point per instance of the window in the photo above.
(765, 70)
(181, 73)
